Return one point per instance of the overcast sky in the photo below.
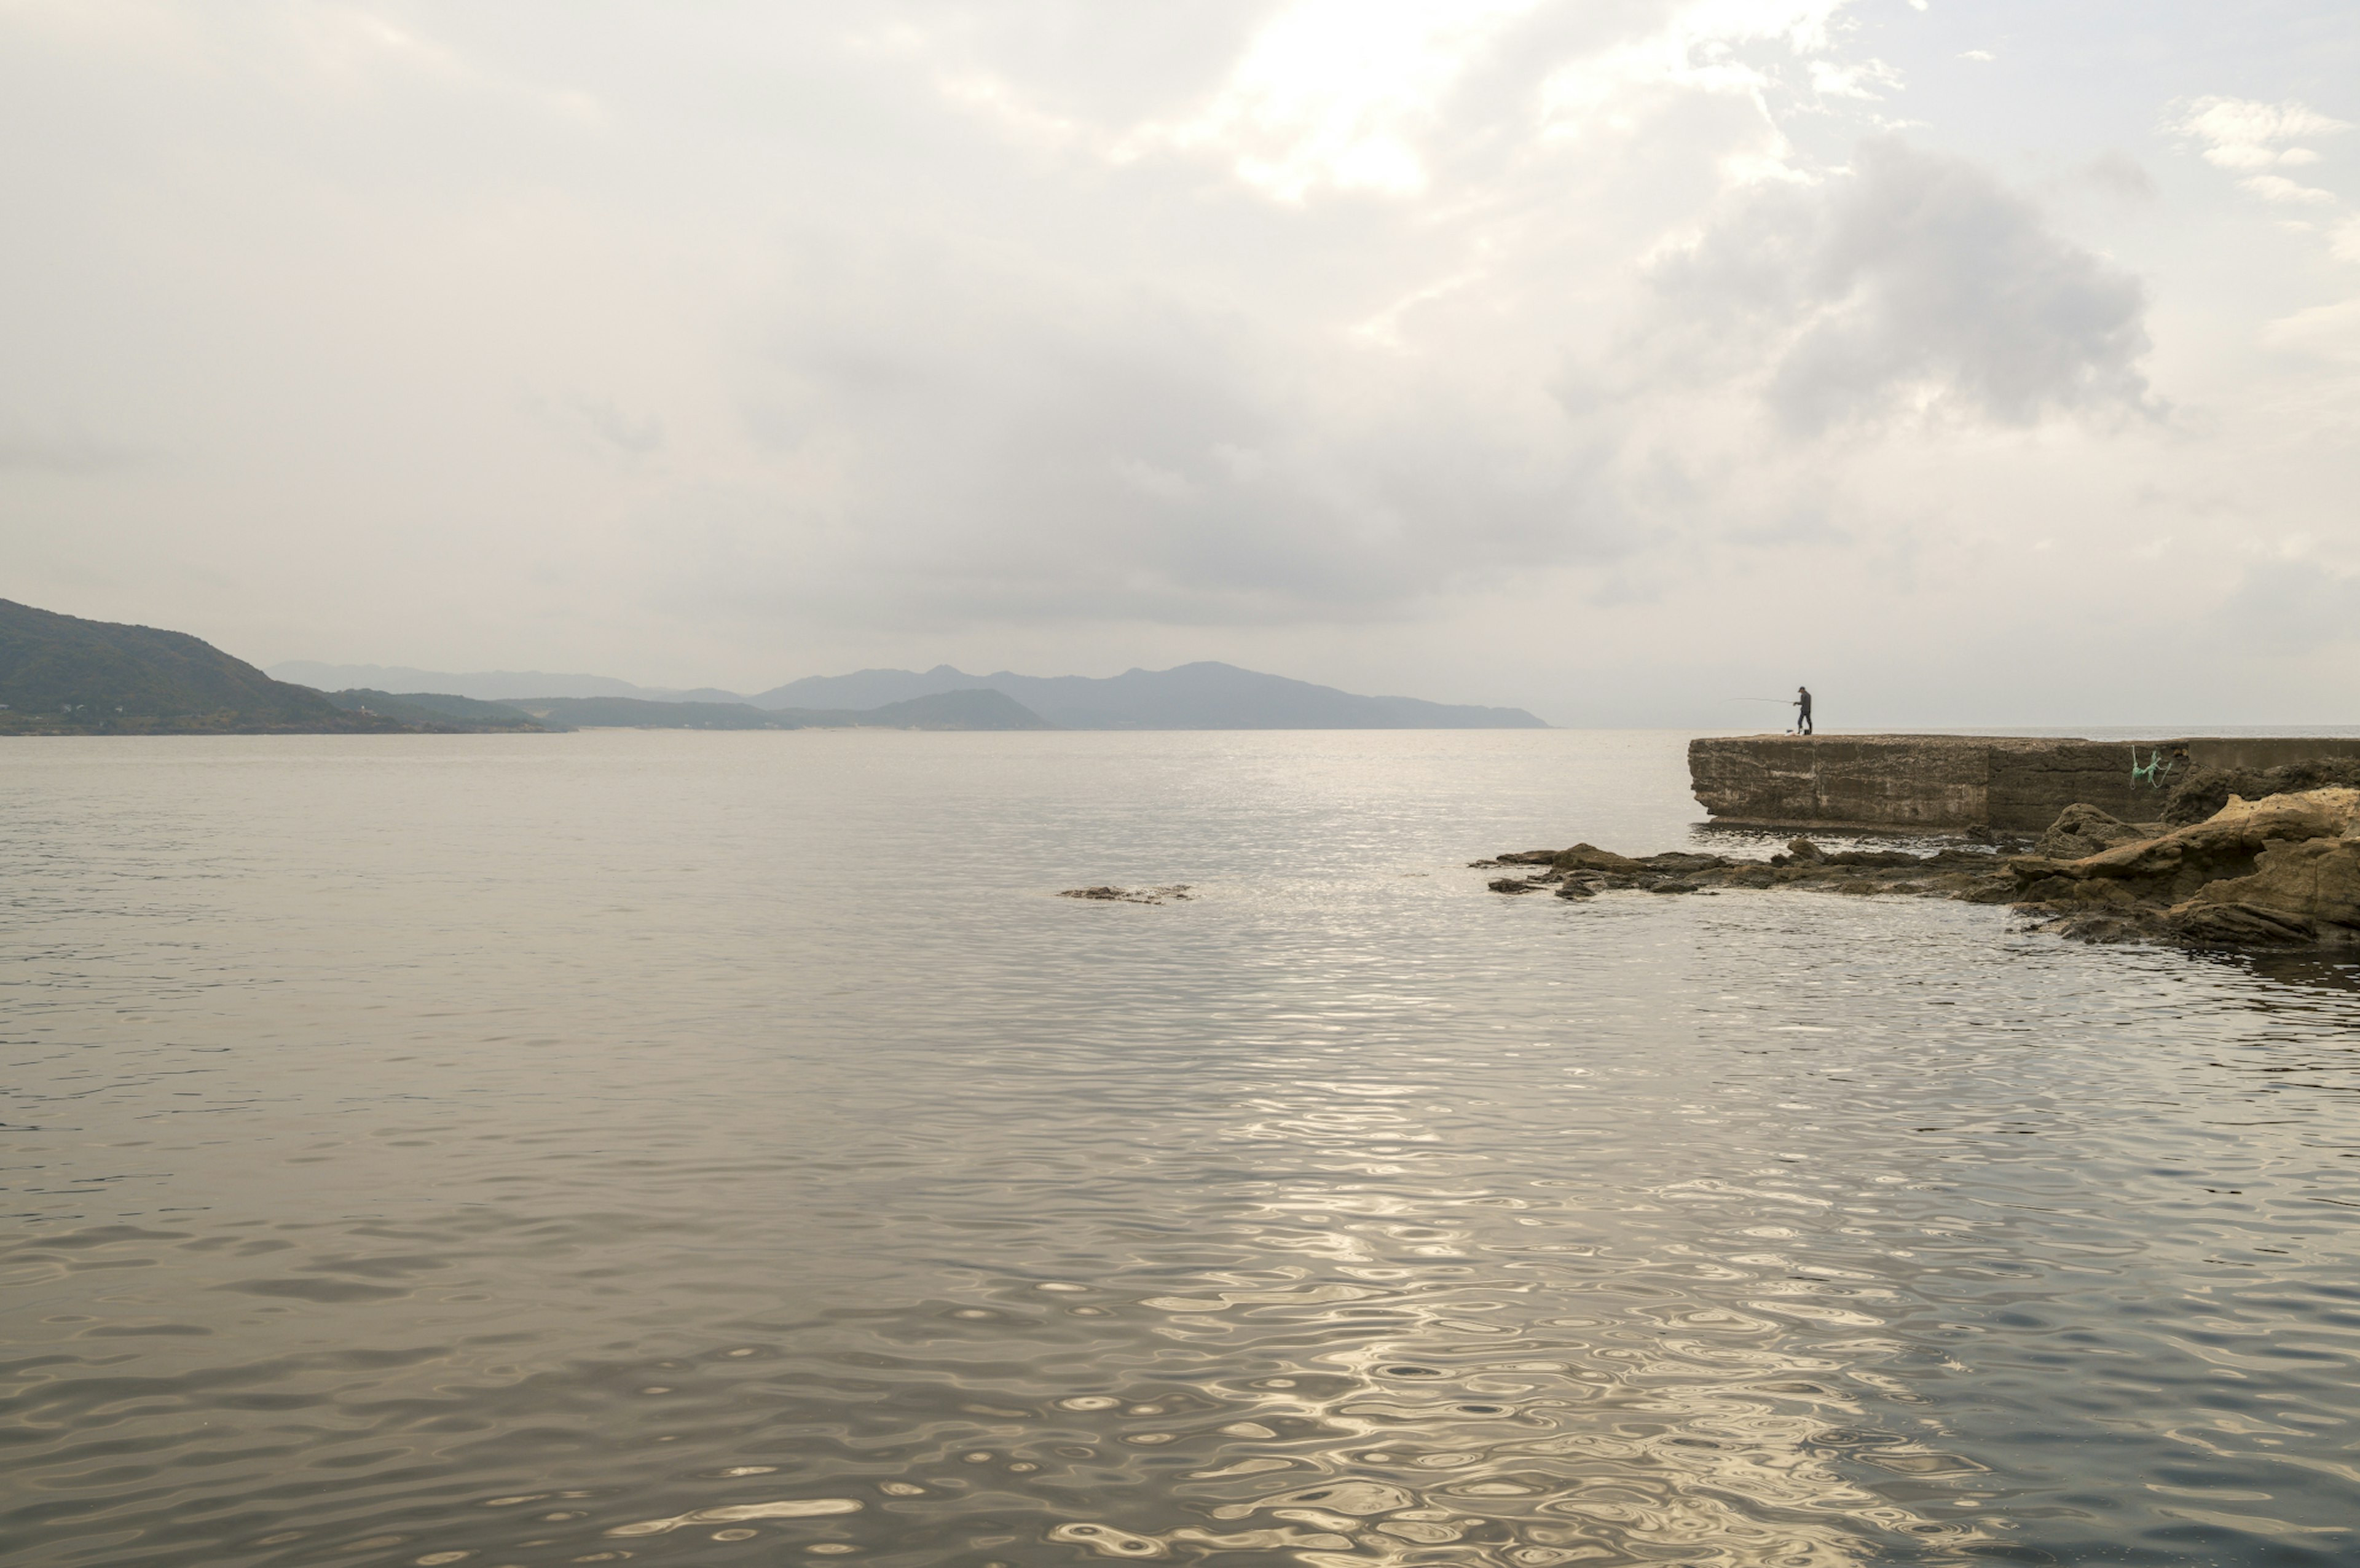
(1977, 363)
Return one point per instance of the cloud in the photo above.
(1916, 283)
(729, 339)
(2327, 331)
(1357, 423)
(1004, 451)
(1732, 47)
(2243, 135)
(2278, 187)
(2239, 133)
(1338, 92)
(2117, 171)
(2291, 607)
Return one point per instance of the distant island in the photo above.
(1203, 696)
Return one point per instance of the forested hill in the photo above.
(60, 674)
(942, 710)
(1203, 696)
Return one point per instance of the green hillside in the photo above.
(64, 675)
(638, 713)
(977, 709)
(437, 710)
(971, 710)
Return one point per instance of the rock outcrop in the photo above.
(2081, 830)
(2208, 790)
(1585, 871)
(2283, 871)
(2280, 871)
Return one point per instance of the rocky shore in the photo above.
(2278, 871)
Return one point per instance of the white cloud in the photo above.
(2239, 133)
(1860, 78)
(2278, 187)
(2243, 135)
(1710, 46)
(996, 100)
(2329, 332)
(1338, 94)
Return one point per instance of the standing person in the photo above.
(1803, 719)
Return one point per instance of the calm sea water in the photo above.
(726, 1148)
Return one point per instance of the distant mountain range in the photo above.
(61, 674)
(1209, 696)
(64, 675)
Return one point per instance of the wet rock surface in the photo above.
(1584, 871)
(1178, 892)
(2281, 871)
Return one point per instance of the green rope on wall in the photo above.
(2156, 770)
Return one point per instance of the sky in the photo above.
(1622, 360)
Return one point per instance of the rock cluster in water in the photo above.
(2281, 871)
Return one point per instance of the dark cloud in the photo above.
(1915, 281)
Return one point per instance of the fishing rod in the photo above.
(1783, 701)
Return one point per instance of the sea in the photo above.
(706, 1149)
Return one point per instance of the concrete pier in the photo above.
(2012, 783)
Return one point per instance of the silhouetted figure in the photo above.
(1803, 718)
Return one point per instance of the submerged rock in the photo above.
(1106, 895)
(2276, 872)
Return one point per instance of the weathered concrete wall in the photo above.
(2018, 784)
